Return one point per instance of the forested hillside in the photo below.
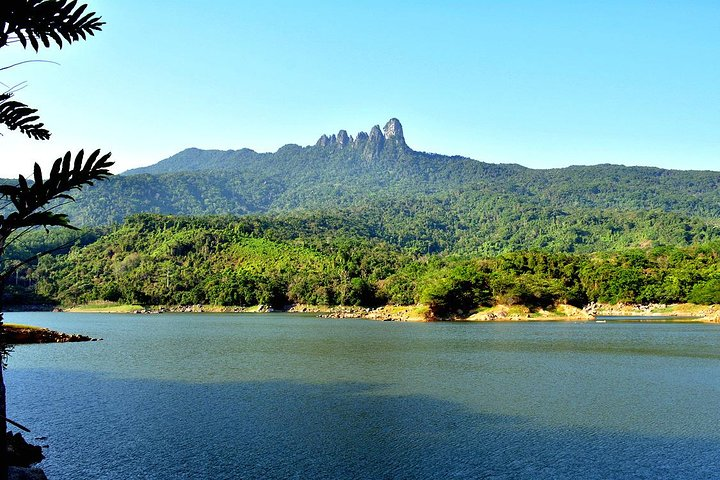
(163, 260)
(368, 220)
(379, 169)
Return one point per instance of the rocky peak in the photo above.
(325, 141)
(376, 135)
(343, 138)
(322, 141)
(372, 144)
(393, 130)
(360, 139)
(375, 144)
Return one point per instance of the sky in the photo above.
(544, 84)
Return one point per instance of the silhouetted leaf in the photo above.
(28, 21)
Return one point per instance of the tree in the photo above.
(31, 205)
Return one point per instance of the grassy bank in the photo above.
(104, 307)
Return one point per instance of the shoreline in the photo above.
(16, 334)
(422, 313)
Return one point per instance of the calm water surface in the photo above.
(292, 396)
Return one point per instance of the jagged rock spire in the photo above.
(322, 141)
(393, 130)
(372, 144)
(360, 139)
(375, 143)
(376, 136)
(343, 138)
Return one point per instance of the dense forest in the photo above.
(241, 261)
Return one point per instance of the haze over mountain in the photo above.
(378, 175)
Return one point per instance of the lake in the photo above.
(260, 396)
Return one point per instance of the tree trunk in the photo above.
(3, 409)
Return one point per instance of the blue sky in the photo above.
(542, 84)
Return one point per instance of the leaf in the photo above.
(66, 163)
(32, 201)
(56, 37)
(38, 177)
(76, 16)
(18, 116)
(44, 37)
(43, 20)
(55, 168)
(33, 41)
(23, 184)
(21, 37)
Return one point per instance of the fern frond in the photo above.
(18, 116)
(32, 22)
(31, 200)
(44, 219)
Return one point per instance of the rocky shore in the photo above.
(521, 313)
(388, 313)
(707, 313)
(21, 456)
(25, 334)
(422, 313)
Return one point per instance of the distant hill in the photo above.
(194, 159)
(378, 176)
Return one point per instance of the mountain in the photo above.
(383, 183)
(367, 220)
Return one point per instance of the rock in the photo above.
(325, 141)
(343, 138)
(360, 139)
(322, 141)
(20, 453)
(376, 136)
(393, 131)
(591, 308)
(16, 335)
(371, 144)
(20, 473)
(375, 144)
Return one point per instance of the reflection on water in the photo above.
(280, 396)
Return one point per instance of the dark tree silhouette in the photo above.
(31, 204)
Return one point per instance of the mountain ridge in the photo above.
(451, 202)
(392, 131)
(389, 140)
